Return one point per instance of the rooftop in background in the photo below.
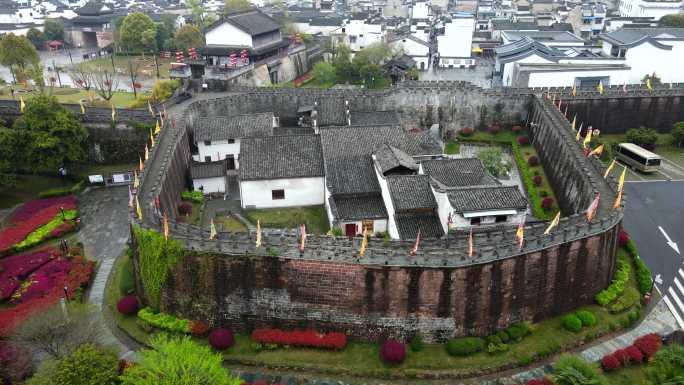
(633, 36)
(482, 198)
(374, 118)
(199, 170)
(236, 127)
(545, 36)
(252, 21)
(460, 172)
(279, 157)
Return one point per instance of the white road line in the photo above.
(666, 175)
(674, 312)
(676, 298)
(681, 273)
(673, 164)
(681, 288)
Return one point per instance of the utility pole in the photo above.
(57, 71)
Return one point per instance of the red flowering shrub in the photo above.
(516, 128)
(393, 352)
(610, 363)
(29, 217)
(310, 338)
(635, 355)
(221, 339)
(532, 161)
(622, 356)
(198, 328)
(12, 317)
(467, 131)
(539, 381)
(128, 305)
(546, 203)
(523, 140)
(185, 208)
(16, 268)
(649, 345)
(537, 180)
(623, 238)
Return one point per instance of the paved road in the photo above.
(651, 206)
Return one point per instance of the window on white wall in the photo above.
(277, 194)
(207, 142)
(231, 141)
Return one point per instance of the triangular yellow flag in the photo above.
(149, 107)
(520, 234)
(22, 105)
(621, 185)
(364, 242)
(212, 230)
(597, 151)
(147, 152)
(574, 121)
(470, 243)
(609, 169)
(258, 234)
(553, 223)
(579, 132)
(157, 128)
(649, 85)
(82, 107)
(138, 210)
(113, 113)
(136, 181)
(600, 87)
(140, 166)
(166, 227)
(587, 138)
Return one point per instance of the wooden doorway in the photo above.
(350, 230)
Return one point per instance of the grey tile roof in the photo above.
(547, 36)
(631, 36)
(347, 154)
(389, 158)
(252, 21)
(357, 207)
(277, 157)
(411, 192)
(293, 131)
(409, 223)
(459, 172)
(235, 127)
(374, 118)
(331, 112)
(481, 198)
(199, 170)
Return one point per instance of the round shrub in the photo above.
(623, 238)
(537, 180)
(221, 339)
(503, 336)
(588, 318)
(465, 346)
(185, 208)
(198, 328)
(518, 330)
(622, 356)
(393, 352)
(516, 128)
(532, 161)
(128, 305)
(635, 355)
(546, 203)
(523, 140)
(494, 339)
(649, 345)
(467, 131)
(416, 343)
(572, 323)
(610, 363)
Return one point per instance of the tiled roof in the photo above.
(347, 154)
(252, 21)
(199, 170)
(409, 223)
(486, 198)
(357, 207)
(411, 192)
(389, 158)
(632, 36)
(458, 172)
(374, 118)
(277, 157)
(236, 127)
(331, 112)
(293, 131)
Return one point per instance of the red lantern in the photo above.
(137, 85)
(233, 58)
(179, 57)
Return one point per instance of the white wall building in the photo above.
(362, 33)
(416, 46)
(209, 177)
(455, 45)
(645, 8)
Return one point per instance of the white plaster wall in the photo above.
(420, 10)
(298, 192)
(507, 73)
(443, 208)
(211, 185)
(457, 40)
(324, 30)
(328, 210)
(567, 78)
(647, 58)
(227, 34)
(366, 34)
(389, 206)
(218, 150)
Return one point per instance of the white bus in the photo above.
(637, 158)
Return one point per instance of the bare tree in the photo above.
(82, 77)
(134, 72)
(105, 82)
(59, 333)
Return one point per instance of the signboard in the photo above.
(95, 179)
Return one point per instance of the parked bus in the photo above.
(637, 157)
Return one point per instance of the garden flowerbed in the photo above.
(37, 221)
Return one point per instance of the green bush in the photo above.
(416, 344)
(588, 318)
(193, 196)
(643, 273)
(573, 370)
(616, 287)
(572, 323)
(503, 336)
(127, 279)
(494, 348)
(526, 175)
(62, 191)
(494, 339)
(518, 331)
(88, 365)
(629, 298)
(164, 321)
(678, 134)
(667, 366)
(164, 89)
(633, 316)
(525, 360)
(465, 346)
(645, 137)
(551, 347)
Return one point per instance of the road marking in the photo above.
(670, 243)
(673, 164)
(679, 285)
(666, 175)
(673, 310)
(681, 273)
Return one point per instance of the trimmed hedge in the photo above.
(465, 346)
(572, 323)
(221, 339)
(617, 287)
(164, 321)
(517, 331)
(643, 273)
(588, 318)
(393, 352)
(193, 196)
(128, 305)
(629, 298)
(62, 191)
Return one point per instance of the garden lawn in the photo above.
(230, 223)
(147, 68)
(195, 218)
(452, 148)
(74, 95)
(314, 217)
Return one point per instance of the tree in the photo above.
(36, 37)
(82, 77)
(324, 73)
(138, 33)
(375, 53)
(644, 137)
(105, 82)
(678, 134)
(17, 52)
(667, 366)
(492, 158)
(236, 5)
(12, 147)
(673, 20)
(178, 361)
(87, 365)
(189, 36)
(56, 138)
(53, 29)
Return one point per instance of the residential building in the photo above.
(614, 23)
(548, 38)
(415, 46)
(319, 25)
(362, 32)
(454, 47)
(588, 20)
(93, 26)
(209, 177)
(649, 8)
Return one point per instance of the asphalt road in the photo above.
(650, 205)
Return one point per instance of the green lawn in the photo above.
(146, 65)
(314, 217)
(452, 148)
(230, 223)
(74, 95)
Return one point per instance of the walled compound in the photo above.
(439, 292)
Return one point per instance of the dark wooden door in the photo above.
(350, 230)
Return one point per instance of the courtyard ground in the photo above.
(121, 99)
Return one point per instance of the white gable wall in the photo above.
(566, 78)
(646, 59)
(218, 150)
(228, 34)
(298, 192)
(508, 68)
(389, 206)
(457, 40)
(210, 185)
